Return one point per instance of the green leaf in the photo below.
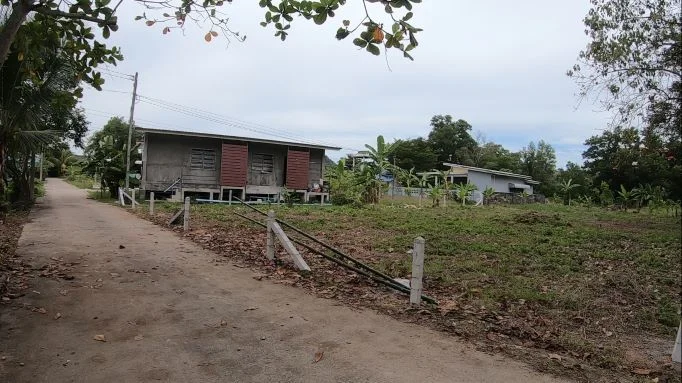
(373, 49)
(319, 19)
(408, 16)
(342, 33)
(360, 42)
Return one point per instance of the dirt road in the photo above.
(168, 313)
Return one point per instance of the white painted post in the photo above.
(120, 197)
(185, 226)
(677, 349)
(132, 199)
(151, 203)
(270, 244)
(417, 271)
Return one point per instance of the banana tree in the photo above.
(566, 187)
(488, 193)
(464, 190)
(625, 196)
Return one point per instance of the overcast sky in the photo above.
(499, 65)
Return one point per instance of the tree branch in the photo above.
(78, 16)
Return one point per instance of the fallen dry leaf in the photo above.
(138, 337)
(57, 315)
(641, 371)
(319, 356)
(554, 356)
(99, 338)
(41, 310)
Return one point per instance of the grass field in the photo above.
(598, 286)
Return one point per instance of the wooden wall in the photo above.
(274, 178)
(168, 158)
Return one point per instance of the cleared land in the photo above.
(579, 291)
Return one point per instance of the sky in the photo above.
(499, 65)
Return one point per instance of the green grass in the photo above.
(617, 271)
(80, 181)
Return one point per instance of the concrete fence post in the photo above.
(185, 226)
(677, 349)
(417, 271)
(270, 244)
(132, 199)
(151, 203)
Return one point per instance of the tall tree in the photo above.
(415, 153)
(450, 139)
(36, 109)
(539, 162)
(634, 57)
(105, 154)
(624, 157)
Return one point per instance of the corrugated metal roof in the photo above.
(496, 172)
(234, 138)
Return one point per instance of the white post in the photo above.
(185, 226)
(417, 271)
(677, 349)
(132, 198)
(120, 197)
(270, 244)
(151, 203)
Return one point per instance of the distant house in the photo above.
(501, 182)
(214, 166)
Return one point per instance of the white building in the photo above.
(501, 182)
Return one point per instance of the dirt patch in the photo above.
(11, 268)
(552, 340)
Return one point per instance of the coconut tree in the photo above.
(566, 187)
(61, 160)
(36, 110)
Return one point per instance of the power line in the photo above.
(231, 121)
(130, 76)
(212, 117)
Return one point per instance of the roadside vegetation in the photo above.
(588, 285)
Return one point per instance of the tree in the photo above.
(625, 196)
(450, 139)
(566, 187)
(74, 20)
(622, 156)
(495, 157)
(464, 190)
(578, 176)
(60, 160)
(36, 110)
(539, 162)
(105, 154)
(380, 155)
(488, 193)
(416, 153)
(632, 61)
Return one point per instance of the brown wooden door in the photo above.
(233, 165)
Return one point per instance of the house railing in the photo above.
(178, 181)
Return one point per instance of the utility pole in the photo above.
(131, 127)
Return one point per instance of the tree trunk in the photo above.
(3, 154)
(19, 12)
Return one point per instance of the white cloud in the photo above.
(499, 65)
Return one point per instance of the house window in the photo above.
(262, 163)
(202, 159)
